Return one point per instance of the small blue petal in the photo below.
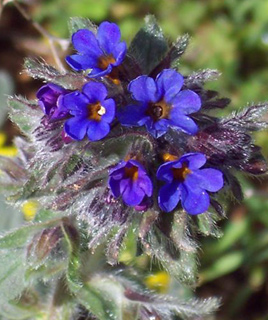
(95, 91)
(85, 41)
(145, 183)
(76, 127)
(164, 172)
(194, 202)
(159, 128)
(132, 190)
(144, 89)
(132, 194)
(169, 196)
(97, 72)
(76, 102)
(194, 160)
(97, 130)
(133, 115)
(119, 53)
(108, 36)
(114, 186)
(118, 172)
(186, 102)
(184, 123)
(208, 179)
(169, 83)
(109, 106)
(81, 62)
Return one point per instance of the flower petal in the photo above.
(76, 102)
(97, 130)
(48, 95)
(184, 123)
(194, 201)
(169, 196)
(208, 179)
(133, 115)
(85, 41)
(186, 102)
(132, 195)
(114, 186)
(97, 72)
(169, 83)
(145, 183)
(108, 36)
(81, 62)
(164, 172)
(195, 160)
(76, 127)
(144, 89)
(157, 129)
(118, 171)
(119, 53)
(109, 106)
(95, 91)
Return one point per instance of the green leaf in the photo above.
(208, 225)
(178, 48)
(76, 23)
(94, 301)
(41, 70)
(12, 269)
(71, 236)
(224, 265)
(149, 46)
(18, 238)
(25, 114)
(181, 264)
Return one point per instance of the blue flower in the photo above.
(49, 100)
(92, 113)
(186, 182)
(130, 180)
(161, 104)
(99, 52)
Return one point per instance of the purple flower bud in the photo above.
(49, 100)
(186, 182)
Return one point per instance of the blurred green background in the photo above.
(231, 36)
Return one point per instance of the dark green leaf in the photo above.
(149, 46)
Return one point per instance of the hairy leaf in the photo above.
(149, 45)
(39, 69)
(25, 114)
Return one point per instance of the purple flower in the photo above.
(161, 104)
(185, 181)
(130, 180)
(92, 113)
(49, 100)
(99, 52)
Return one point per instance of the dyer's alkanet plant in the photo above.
(121, 146)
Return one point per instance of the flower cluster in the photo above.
(163, 107)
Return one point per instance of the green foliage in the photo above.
(149, 45)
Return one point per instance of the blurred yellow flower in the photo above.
(158, 281)
(6, 151)
(29, 209)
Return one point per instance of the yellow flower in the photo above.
(29, 209)
(6, 151)
(158, 281)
